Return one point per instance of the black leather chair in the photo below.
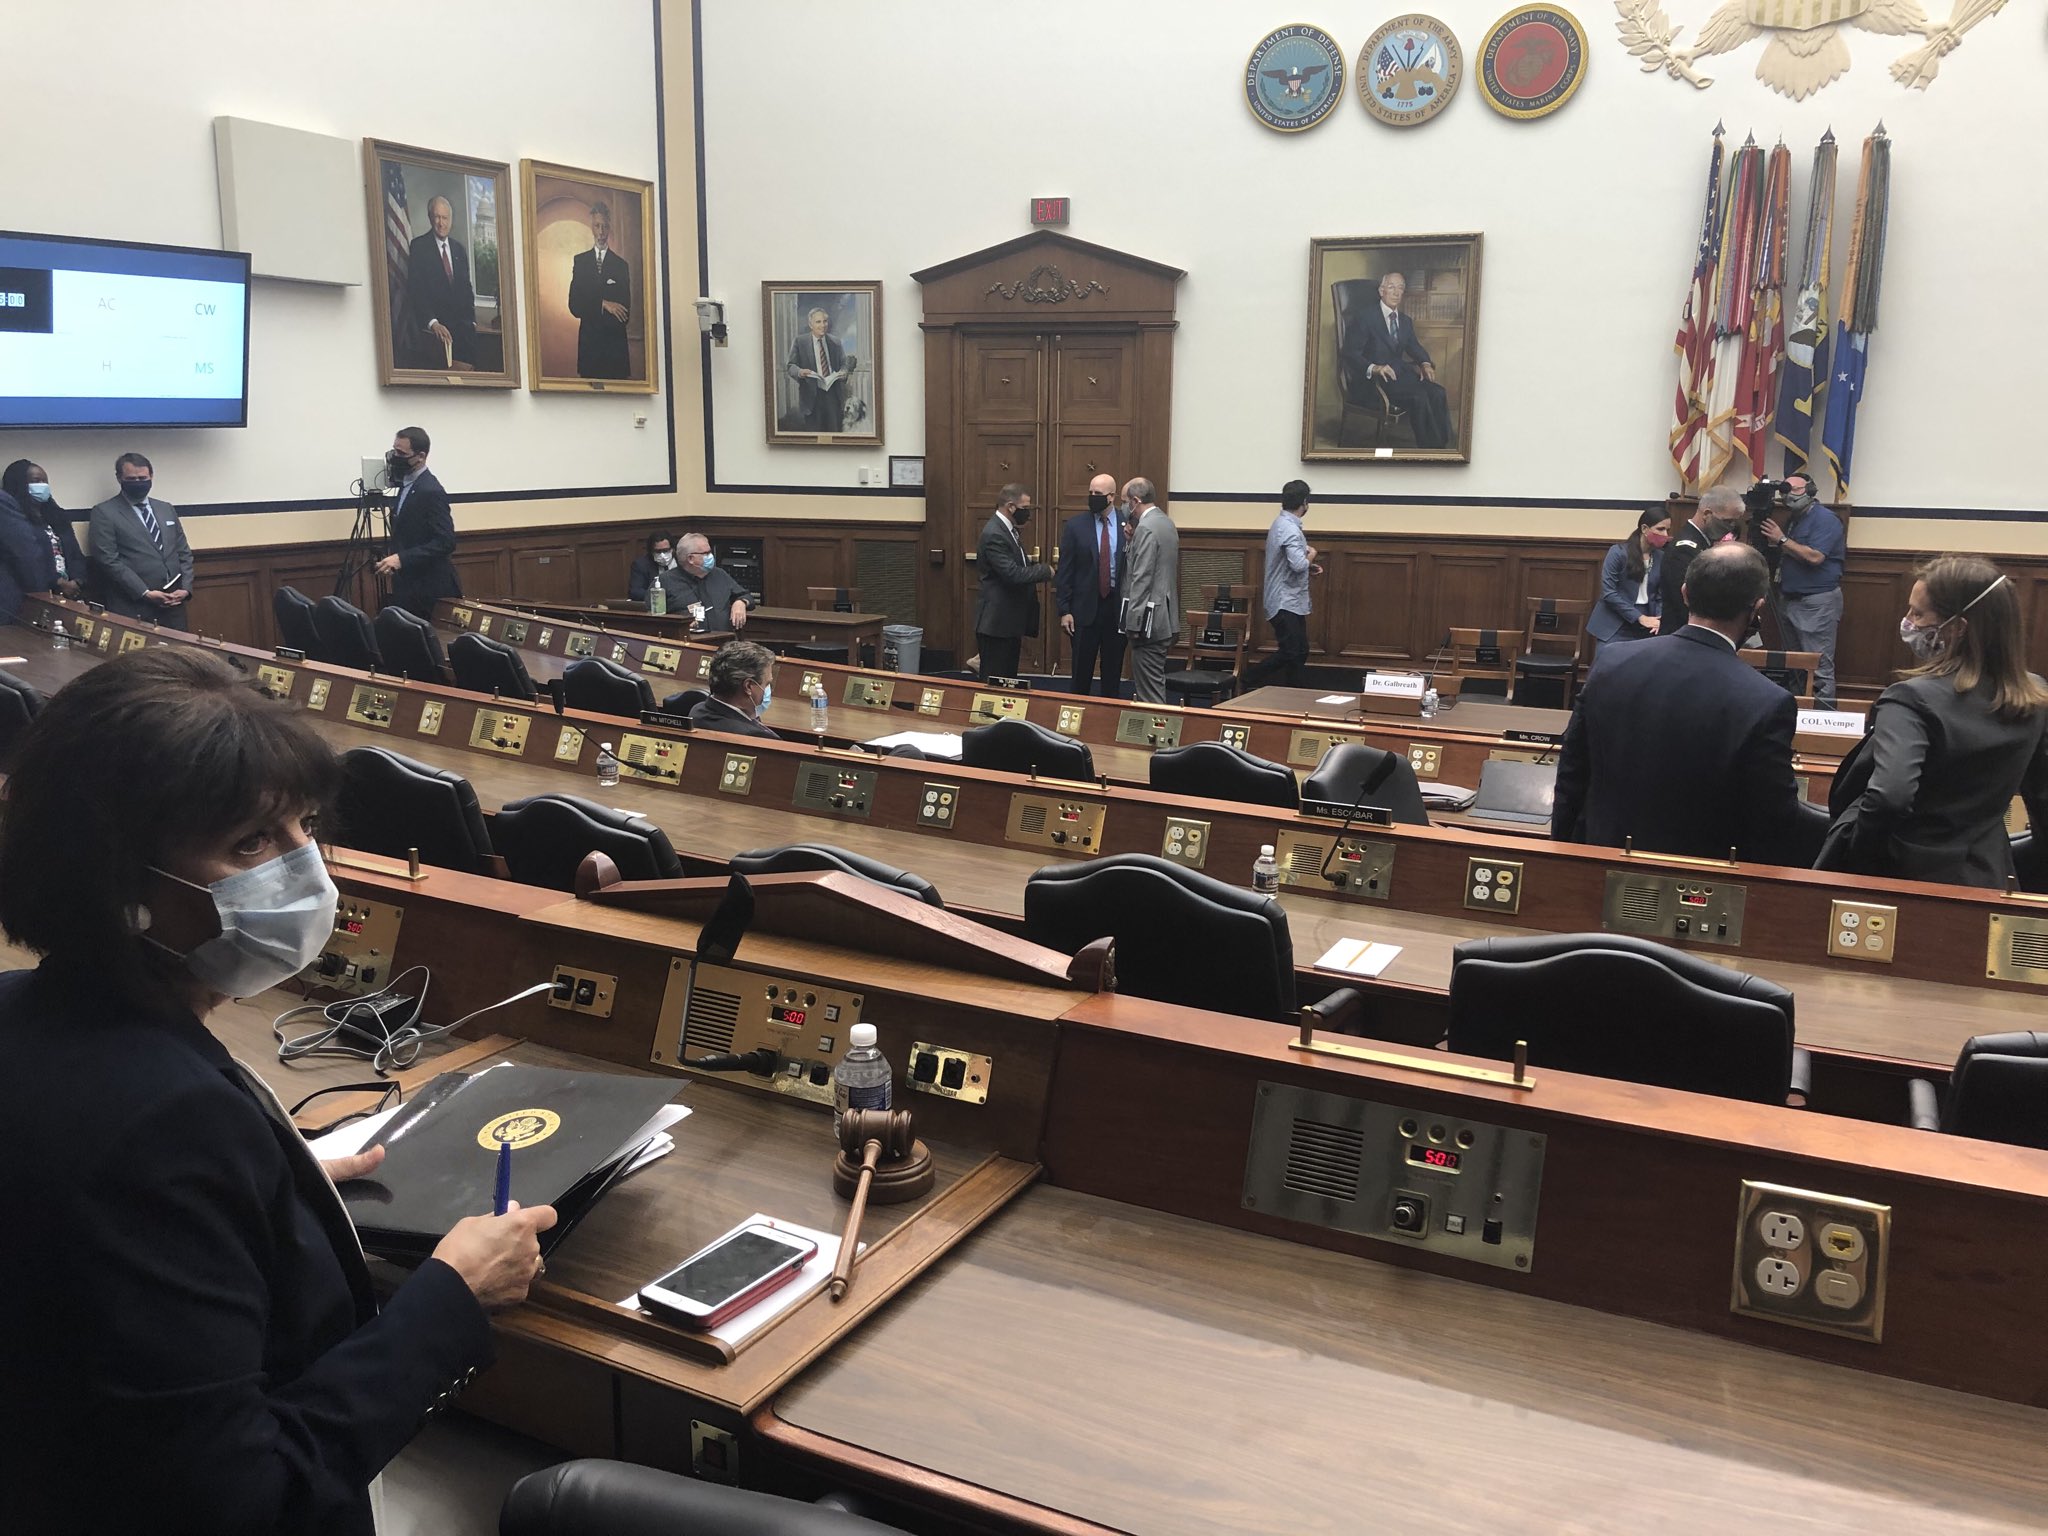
(346, 636)
(293, 611)
(793, 857)
(543, 839)
(388, 804)
(1181, 937)
(605, 688)
(19, 704)
(2030, 863)
(683, 700)
(1020, 746)
(802, 651)
(483, 665)
(1341, 778)
(616, 1498)
(1999, 1091)
(1216, 772)
(1610, 1005)
(410, 646)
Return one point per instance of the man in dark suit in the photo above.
(1383, 341)
(139, 549)
(818, 363)
(420, 564)
(742, 682)
(439, 318)
(1089, 588)
(1696, 533)
(1678, 744)
(1006, 607)
(601, 296)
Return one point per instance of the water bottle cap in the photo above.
(1265, 851)
(860, 1035)
(604, 746)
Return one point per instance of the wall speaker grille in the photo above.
(1306, 858)
(1323, 1159)
(1639, 902)
(713, 1017)
(886, 573)
(1031, 820)
(2030, 950)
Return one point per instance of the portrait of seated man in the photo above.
(1383, 343)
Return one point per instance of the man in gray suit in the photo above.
(1151, 592)
(139, 549)
(1006, 602)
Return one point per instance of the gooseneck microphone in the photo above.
(1388, 762)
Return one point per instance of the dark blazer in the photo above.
(601, 349)
(1373, 347)
(1686, 542)
(76, 568)
(191, 1341)
(716, 715)
(1680, 745)
(640, 578)
(1005, 606)
(128, 564)
(1923, 796)
(25, 564)
(716, 592)
(430, 294)
(423, 538)
(1616, 616)
(1076, 579)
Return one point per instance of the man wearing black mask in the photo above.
(139, 549)
(420, 565)
(1812, 544)
(1089, 589)
(1006, 609)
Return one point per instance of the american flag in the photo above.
(397, 230)
(1695, 344)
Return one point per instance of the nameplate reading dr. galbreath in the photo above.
(1393, 685)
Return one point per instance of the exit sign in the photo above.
(1051, 210)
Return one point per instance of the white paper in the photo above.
(1338, 698)
(807, 1282)
(1358, 957)
(348, 1140)
(1450, 796)
(931, 743)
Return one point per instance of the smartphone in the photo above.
(729, 1276)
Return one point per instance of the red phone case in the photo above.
(732, 1306)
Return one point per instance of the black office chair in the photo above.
(293, 611)
(2030, 863)
(1999, 1092)
(1019, 746)
(346, 637)
(388, 804)
(798, 651)
(19, 704)
(1347, 768)
(1216, 772)
(410, 646)
(1614, 1006)
(543, 839)
(1181, 937)
(483, 665)
(591, 1497)
(605, 688)
(683, 700)
(792, 857)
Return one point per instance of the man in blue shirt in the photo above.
(1813, 544)
(1290, 561)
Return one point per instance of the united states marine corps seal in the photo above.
(519, 1130)
(1294, 78)
(1409, 70)
(1532, 61)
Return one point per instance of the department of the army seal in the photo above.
(1409, 70)
(1294, 78)
(1532, 60)
(519, 1130)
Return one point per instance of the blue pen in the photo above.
(504, 1194)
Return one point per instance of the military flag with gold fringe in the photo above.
(1756, 394)
(1734, 305)
(1857, 319)
(1805, 381)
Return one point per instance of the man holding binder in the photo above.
(145, 565)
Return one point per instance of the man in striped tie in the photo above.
(139, 549)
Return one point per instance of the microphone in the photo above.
(1373, 780)
(720, 938)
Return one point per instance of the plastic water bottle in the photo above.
(1265, 872)
(862, 1078)
(1429, 704)
(60, 638)
(820, 713)
(607, 767)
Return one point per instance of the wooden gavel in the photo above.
(879, 1158)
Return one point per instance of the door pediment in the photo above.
(1046, 279)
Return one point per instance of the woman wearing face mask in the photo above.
(1629, 600)
(62, 561)
(647, 567)
(1924, 795)
(187, 1330)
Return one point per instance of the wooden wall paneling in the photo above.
(807, 560)
(1368, 604)
(546, 573)
(940, 559)
(483, 571)
(1548, 574)
(232, 602)
(603, 565)
(1467, 591)
(1867, 647)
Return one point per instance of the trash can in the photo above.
(902, 647)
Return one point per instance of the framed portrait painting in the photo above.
(1392, 326)
(441, 278)
(590, 280)
(823, 363)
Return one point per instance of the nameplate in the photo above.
(666, 719)
(1393, 685)
(289, 653)
(1015, 684)
(1829, 722)
(1344, 810)
(1533, 738)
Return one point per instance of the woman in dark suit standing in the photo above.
(26, 482)
(1629, 600)
(1924, 795)
(188, 1337)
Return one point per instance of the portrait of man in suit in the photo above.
(592, 287)
(823, 362)
(818, 364)
(442, 314)
(439, 329)
(1386, 346)
(601, 297)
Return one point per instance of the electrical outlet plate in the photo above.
(515, 631)
(1138, 728)
(1863, 930)
(583, 991)
(483, 623)
(132, 640)
(463, 617)
(1187, 841)
(950, 1074)
(84, 629)
(497, 730)
(991, 707)
(661, 658)
(1358, 867)
(1493, 885)
(1811, 1260)
(937, 805)
(737, 776)
(1238, 736)
(703, 667)
(580, 645)
(813, 682)
(1052, 821)
(1426, 759)
(357, 957)
(652, 759)
(569, 745)
(1069, 722)
(870, 693)
(547, 633)
(432, 712)
(106, 636)
(277, 679)
(371, 705)
(930, 701)
(316, 696)
(620, 652)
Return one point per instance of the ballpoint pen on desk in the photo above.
(502, 1200)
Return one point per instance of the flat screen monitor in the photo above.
(105, 333)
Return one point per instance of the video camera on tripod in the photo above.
(372, 530)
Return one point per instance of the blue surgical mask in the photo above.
(710, 560)
(767, 698)
(274, 921)
(40, 490)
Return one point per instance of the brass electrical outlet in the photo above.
(652, 759)
(661, 658)
(1238, 736)
(931, 700)
(1862, 930)
(1493, 885)
(431, 714)
(276, 679)
(1702, 908)
(936, 806)
(1356, 866)
(737, 776)
(515, 631)
(840, 791)
(869, 693)
(369, 705)
(569, 745)
(1048, 821)
(1139, 728)
(580, 645)
(951, 1074)
(583, 992)
(703, 667)
(547, 633)
(1306, 748)
(814, 682)
(1426, 759)
(1187, 841)
(357, 956)
(498, 730)
(132, 640)
(1811, 1260)
(1069, 722)
(2017, 949)
(84, 627)
(990, 707)
(463, 617)
(316, 696)
(620, 651)
(483, 623)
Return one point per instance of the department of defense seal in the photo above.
(1409, 70)
(1532, 61)
(1294, 78)
(519, 1130)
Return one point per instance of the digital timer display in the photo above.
(352, 925)
(1435, 1157)
(788, 1015)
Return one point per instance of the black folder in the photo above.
(572, 1135)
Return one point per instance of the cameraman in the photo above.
(1812, 545)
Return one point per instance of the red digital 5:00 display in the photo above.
(788, 1015)
(1435, 1157)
